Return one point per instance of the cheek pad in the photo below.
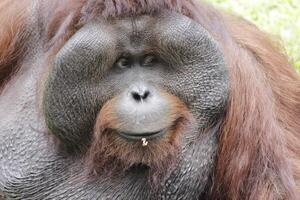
(202, 77)
(72, 96)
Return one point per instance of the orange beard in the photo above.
(110, 154)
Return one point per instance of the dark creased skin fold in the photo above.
(143, 99)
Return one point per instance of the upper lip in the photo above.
(139, 136)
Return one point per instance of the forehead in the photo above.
(163, 32)
(145, 31)
(135, 32)
(133, 24)
(131, 34)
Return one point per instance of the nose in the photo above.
(139, 96)
(140, 93)
(143, 111)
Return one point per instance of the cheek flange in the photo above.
(70, 100)
(202, 78)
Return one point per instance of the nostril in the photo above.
(146, 94)
(136, 96)
(139, 96)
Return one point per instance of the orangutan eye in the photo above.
(149, 60)
(123, 63)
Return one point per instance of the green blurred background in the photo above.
(281, 18)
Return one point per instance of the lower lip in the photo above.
(148, 136)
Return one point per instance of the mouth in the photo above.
(148, 135)
(139, 136)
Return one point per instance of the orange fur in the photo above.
(259, 155)
(13, 15)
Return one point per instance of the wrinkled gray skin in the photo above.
(80, 80)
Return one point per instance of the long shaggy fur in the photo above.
(259, 152)
(12, 37)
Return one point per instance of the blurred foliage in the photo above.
(278, 17)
